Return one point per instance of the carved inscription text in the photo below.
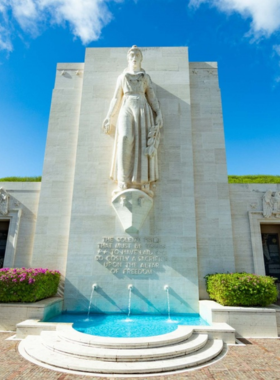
(131, 256)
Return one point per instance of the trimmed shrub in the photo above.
(260, 178)
(21, 179)
(27, 285)
(241, 289)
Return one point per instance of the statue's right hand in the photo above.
(106, 126)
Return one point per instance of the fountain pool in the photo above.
(122, 326)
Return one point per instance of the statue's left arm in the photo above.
(153, 101)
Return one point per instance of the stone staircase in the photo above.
(68, 349)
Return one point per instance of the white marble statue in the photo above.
(135, 160)
(267, 204)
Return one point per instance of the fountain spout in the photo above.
(166, 288)
(93, 288)
(130, 287)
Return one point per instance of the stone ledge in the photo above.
(251, 322)
(13, 313)
(65, 330)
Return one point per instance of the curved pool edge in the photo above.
(69, 333)
(35, 327)
(122, 326)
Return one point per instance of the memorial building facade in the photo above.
(135, 188)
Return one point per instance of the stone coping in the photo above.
(249, 322)
(13, 313)
(38, 304)
(35, 327)
(180, 334)
(252, 309)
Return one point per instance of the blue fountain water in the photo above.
(120, 326)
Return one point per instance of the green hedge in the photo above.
(260, 178)
(27, 285)
(241, 289)
(21, 179)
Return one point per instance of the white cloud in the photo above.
(265, 14)
(5, 42)
(86, 18)
(276, 52)
(276, 49)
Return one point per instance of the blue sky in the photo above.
(242, 35)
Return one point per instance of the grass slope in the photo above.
(231, 179)
(21, 179)
(254, 178)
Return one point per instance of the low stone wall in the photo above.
(13, 313)
(249, 322)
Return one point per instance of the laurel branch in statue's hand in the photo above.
(106, 126)
(159, 120)
(153, 141)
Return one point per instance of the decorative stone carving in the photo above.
(16, 203)
(276, 204)
(4, 201)
(271, 204)
(267, 204)
(132, 207)
(137, 135)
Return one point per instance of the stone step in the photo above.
(67, 333)
(34, 350)
(194, 343)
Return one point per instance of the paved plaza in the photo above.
(259, 359)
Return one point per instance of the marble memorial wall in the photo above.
(170, 220)
(181, 223)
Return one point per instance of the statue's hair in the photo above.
(133, 48)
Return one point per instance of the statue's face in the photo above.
(134, 57)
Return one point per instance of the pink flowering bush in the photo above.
(241, 289)
(27, 285)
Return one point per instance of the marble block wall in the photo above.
(164, 252)
(188, 232)
(52, 229)
(212, 200)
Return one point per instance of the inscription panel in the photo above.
(132, 256)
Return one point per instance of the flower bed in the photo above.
(241, 289)
(27, 285)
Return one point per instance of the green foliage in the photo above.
(241, 289)
(21, 179)
(231, 179)
(27, 285)
(261, 178)
(254, 178)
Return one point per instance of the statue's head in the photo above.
(134, 55)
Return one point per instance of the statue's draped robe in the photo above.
(136, 102)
